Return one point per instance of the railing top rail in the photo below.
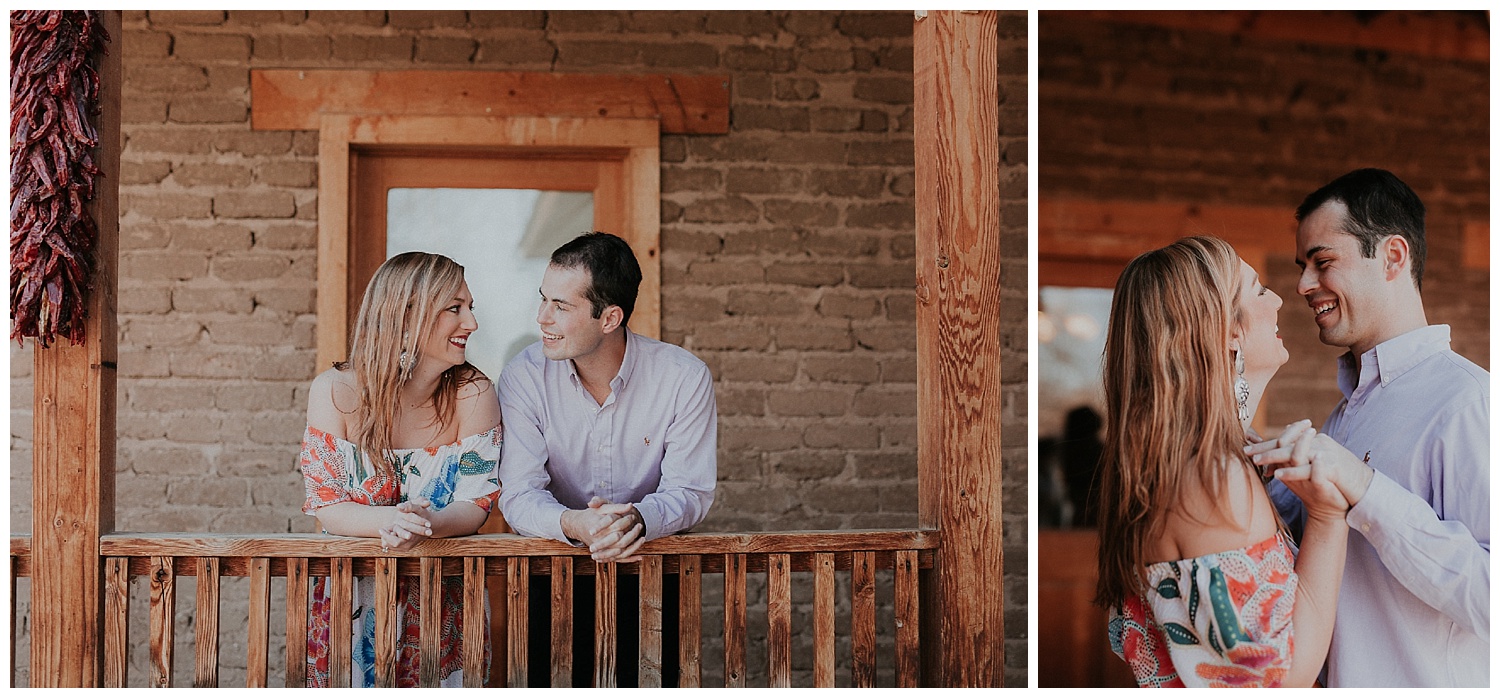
(490, 544)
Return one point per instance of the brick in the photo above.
(808, 402)
(197, 300)
(898, 370)
(799, 214)
(756, 499)
(523, 50)
(781, 149)
(883, 275)
(144, 172)
(159, 396)
(276, 427)
(256, 18)
(885, 402)
(842, 436)
(752, 86)
(761, 181)
(292, 48)
(141, 488)
(898, 498)
(760, 59)
(177, 18)
(175, 141)
(151, 76)
(156, 266)
(187, 46)
(288, 173)
(254, 204)
(166, 205)
(827, 60)
(513, 19)
(741, 23)
(836, 120)
(767, 368)
(679, 55)
(253, 143)
(597, 53)
(805, 274)
(847, 182)
(876, 25)
(445, 49)
(691, 309)
(348, 18)
(741, 336)
(135, 363)
(590, 21)
(797, 89)
(724, 210)
(763, 439)
(372, 48)
(167, 460)
(690, 179)
(741, 466)
(802, 466)
(848, 305)
(249, 266)
(207, 110)
(210, 175)
(899, 435)
(145, 45)
(843, 369)
(248, 331)
(751, 117)
(890, 337)
(287, 300)
(802, 335)
(842, 245)
(143, 109)
(169, 331)
(209, 492)
(901, 307)
(765, 304)
(426, 19)
(740, 402)
(899, 152)
(874, 121)
(724, 273)
(885, 465)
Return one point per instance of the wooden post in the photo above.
(73, 466)
(957, 115)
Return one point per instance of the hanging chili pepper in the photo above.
(54, 92)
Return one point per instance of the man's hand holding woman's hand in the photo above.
(1325, 475)
(411, 522)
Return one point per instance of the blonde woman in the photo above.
(1204, 586)
(402, 444)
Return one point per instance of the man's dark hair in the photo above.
(614, 273)
(1380, 205)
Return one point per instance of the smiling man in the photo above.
(610, 442)
(1414, 606)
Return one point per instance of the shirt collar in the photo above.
(627, 365)
(1389, 359)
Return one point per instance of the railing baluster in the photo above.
(824, 601)
(340, 630)
(863, 625)
(908, 647)
(206, 625)
(517, 577)
(259, 623)
(605, 619)
(475, 627)
(116, 621)
(431, 621)
(651, 622)
(562, 621)
(734, 620)
(385, 622)
(779, 618)
(163, 607)
(690, 621)
(296, 622)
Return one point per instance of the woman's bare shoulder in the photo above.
(331, 400)
(1207, 522)
(478, 405)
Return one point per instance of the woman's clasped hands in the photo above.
(411, 522)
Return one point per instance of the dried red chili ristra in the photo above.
(53, 99)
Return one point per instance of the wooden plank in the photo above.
(606, 617)
(317, 545)
(335, 298)
(779, 619)
(562, 622)
(517, 580)
(824, 602)
(862, 620)
(641, 175)
(296, 622)
(958, 254)
(908, 637)
(293, 99)
(257, 658)
(206, 625)
(475, 629)
(690, 622)
(116, 623)
(651, 622)
(163, 617)
(734, 621)
(431, 622)
(386, 631)
(73, 434)
(340, 622)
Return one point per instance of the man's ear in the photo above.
(1396, 253)
(611, 319)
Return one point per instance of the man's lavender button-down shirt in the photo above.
(1414, 608)
(652, 443)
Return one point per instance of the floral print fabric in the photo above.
(1223, 619)
(334, 471)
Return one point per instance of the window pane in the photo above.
(503, 238)
(1071, 324)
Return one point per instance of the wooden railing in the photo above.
(162, 557)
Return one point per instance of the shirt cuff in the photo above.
(1376, 507)
(650, 520)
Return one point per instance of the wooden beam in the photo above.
(73, 463)
(1476, 245)
(958, 337)
(294, 99)
(1445, 35)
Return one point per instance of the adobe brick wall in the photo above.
(787, 260)
(1136, 112)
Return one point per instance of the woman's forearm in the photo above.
(365, 521)
(1320, 571)
(457, 519)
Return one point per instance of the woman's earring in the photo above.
(404, 361)
(1241, 386)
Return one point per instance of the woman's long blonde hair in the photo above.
(396, 319)
(1171, 421)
